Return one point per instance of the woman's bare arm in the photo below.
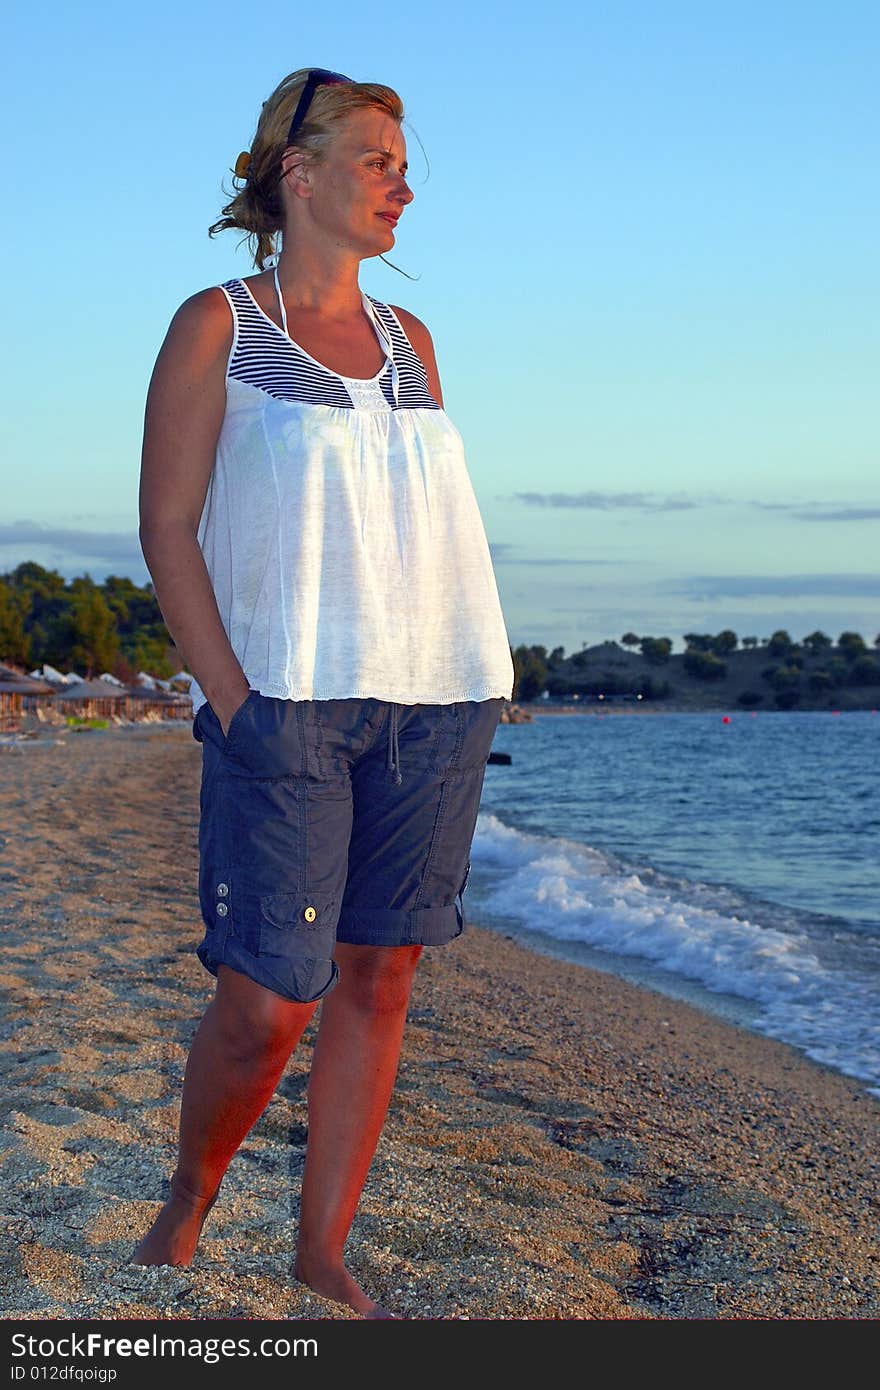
(185, 407)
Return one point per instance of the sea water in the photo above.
(732, 863)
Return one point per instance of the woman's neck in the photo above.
(316, 285)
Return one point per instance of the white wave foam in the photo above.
(572, 892)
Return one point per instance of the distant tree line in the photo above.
(80, 625)
(848, 663)
(118, 627)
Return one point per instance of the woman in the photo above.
(319, 557)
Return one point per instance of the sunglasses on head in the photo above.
(318, 77)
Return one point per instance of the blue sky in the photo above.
(646, 249)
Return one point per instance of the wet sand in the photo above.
(560, 1144)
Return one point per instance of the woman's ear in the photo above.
(297, 172)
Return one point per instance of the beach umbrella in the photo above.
(91, 690)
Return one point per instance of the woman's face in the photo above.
(359, 189)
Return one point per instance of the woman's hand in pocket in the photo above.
(227, 709)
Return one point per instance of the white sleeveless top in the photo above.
(340, 529)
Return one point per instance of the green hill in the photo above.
(711, 674)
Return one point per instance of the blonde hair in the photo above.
(256, 208)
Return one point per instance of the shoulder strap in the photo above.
(388, 343)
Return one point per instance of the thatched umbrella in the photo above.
(145, 700)
(19, 694)
(89, 699)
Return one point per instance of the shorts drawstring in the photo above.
(393, 762)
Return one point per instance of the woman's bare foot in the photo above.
(332, 1280)
(174, 1235)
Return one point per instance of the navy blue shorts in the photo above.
(334, 820)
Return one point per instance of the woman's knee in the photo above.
(255, 1021)
(377, 979)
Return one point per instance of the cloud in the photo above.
(680, 502)
(104, 543)
(71, 545)
(842, 514)
(607, 501)
(499, 549)
(822, 511)
(707, 588)
(546, 560)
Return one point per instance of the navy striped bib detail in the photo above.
(264, 356)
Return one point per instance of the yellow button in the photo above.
(310, 914)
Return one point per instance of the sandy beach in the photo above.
(560, 1144)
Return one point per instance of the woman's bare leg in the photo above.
(237, 1057)
(353, 1070)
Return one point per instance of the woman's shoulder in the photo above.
(201, 329)
(413, 327)
(207, 305)
(207, 311)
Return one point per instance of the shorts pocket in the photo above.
(480, 720)
(459, 898)
(297, 922)
(206, 712)
(235, 722)
(297, 934)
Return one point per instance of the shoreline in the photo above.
(645, 708)
(561, 1143)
